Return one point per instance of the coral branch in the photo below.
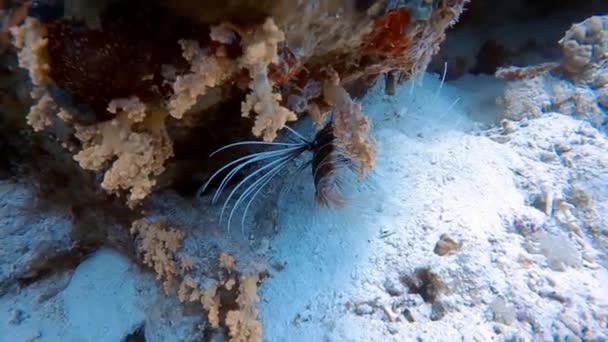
(206, 71)
(159, 242)
(136, 156)
(31, 39)
(259, 50)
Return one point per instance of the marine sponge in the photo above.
(584, 44)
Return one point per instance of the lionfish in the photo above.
(328, 159)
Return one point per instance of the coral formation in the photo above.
(31, 39)
(581, 89)
(206, 71)
(140, 94)
(259, 50)
(191, 68)
(238, 318)
(242, 323)
(40, 114)
(134, 156)
(159, 243)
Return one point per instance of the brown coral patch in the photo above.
(388, 35)
(125, 57)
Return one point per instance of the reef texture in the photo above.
(576, 85)
(118, 99)
(182, 71)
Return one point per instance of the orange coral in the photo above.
(388, 35)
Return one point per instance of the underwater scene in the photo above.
(303, 170)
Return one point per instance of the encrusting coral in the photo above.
(134, 85)
(210, 69)
(242, 324)
(239, 293)
(577, 85)
(40, 114)
(585, 44)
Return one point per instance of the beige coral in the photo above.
(40, 114)
(135, 157)
(159, 243)
(227, 262)
(580, 90)
(241, 322)
(206, 71)
(30, 39)
(259, 50)
(211, 303)
(132, 106)
(189, 291)
(243, 325)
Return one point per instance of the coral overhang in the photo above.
(298, 60)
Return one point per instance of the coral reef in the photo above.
(139, 93)
(189, 67)
(489, 36)
(31, 39)
(134, 156)
(242, 323)
(576, 85)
